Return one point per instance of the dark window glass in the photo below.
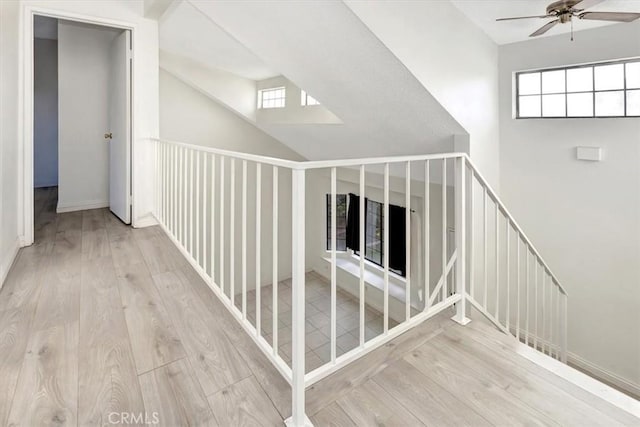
(341, 222)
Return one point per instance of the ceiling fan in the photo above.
(565, 10)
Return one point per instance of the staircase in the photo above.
(246, 221)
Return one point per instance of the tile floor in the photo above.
(318, 315)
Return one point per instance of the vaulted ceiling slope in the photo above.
(325, 49)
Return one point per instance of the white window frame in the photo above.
(261, 99)
(593, 91)
(307, 100)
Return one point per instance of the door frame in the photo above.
(26, 105)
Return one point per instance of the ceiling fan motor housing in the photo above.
(563, 9)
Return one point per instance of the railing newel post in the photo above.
(298, 417)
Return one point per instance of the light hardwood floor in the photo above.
(98, 319)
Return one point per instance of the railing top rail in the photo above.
(312, 164)
(506, 212)
(291, 164)
(322, 164)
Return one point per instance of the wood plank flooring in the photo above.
(102, 324)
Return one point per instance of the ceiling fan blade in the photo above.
(525, 17)
(609, 16)
(544, 28)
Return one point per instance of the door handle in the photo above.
(108, 135)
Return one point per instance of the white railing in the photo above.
(242, 222)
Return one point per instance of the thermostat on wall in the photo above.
(592, 154)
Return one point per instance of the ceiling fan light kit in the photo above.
(563, 11)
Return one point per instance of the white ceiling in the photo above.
(185, 31)
(323, 47)
(484, 13)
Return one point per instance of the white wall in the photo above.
(45, 115)
(186, 115)
(584, 217)
(237, 93)
(83, 75)
(454, 60)
(9, 199)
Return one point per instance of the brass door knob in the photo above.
(108, 135)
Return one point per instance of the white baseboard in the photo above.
(145, 221)
(82, 206)
(582, 380)
(8, 260)
(603, 374)
(592, 369)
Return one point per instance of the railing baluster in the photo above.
(497, 315)
(361, 245)
(518, 286)
(232, 230)
(535, 304)
(174, 191)
(333, 313)
(244, 239)
(427, 219)
(191, 197)
(544, 310)
(444, 230)
(162, 182)
(472, 246)
(165, 186)
(486, 248)
(558, 330)
(508, 309)
(407, 229)
(274, 285)
(213, 218)
(185, 198)
(205, 204)
(157, 160)
(527, 331)
(221, 237)
(551, 322)
(558, 324)
(565, 326)
(180, 194)
(197, 207)
(258, 245)
(385, 239)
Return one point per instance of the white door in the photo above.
(120, 127)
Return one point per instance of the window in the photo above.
(609, 89)
(373, 233)
(306, 99)
(347, 216)
(272, 97)
(341, 222)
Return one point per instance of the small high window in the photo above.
(272, 97)
(610, 89)
(306, 99)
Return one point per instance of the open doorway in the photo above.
(82, 118)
